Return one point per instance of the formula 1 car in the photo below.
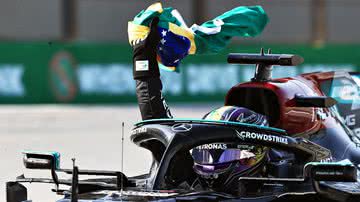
(312, 116)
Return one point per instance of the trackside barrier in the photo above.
(42, 72)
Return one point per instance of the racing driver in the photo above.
(216, 165)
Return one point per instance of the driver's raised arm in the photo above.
(147, 76)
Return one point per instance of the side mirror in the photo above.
(41, 160)
(327, 180)
(343, 171)
(314, 101)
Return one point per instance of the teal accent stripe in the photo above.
(345, 162)
(210, 121)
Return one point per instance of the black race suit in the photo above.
(151, 102)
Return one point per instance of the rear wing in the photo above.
(264, 62)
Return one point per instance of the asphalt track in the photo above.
(91, 134)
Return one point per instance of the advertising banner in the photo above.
(101, 73)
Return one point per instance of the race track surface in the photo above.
(91, 134)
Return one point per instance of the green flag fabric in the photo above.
(178, 40)
(213, 36)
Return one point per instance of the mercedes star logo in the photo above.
(181, 127)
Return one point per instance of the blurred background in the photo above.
(59, 56)
(76, 51)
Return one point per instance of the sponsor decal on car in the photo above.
(111, 195)
(181, 127)
(326, 160)
(261, 136)
(138, 130)
(212, 146)
(350, 120)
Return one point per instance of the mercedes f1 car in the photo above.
(313, 118)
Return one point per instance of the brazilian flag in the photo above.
(178, 40)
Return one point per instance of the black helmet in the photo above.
(219, 165)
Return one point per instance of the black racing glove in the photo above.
(144, 54)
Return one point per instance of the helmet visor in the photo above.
(216, 153)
